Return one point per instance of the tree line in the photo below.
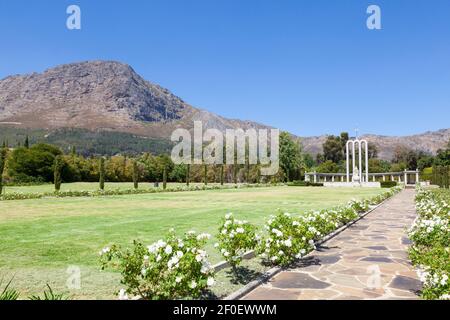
(44, 163)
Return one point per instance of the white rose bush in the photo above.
(235, 238)
(430, 235)
(178, 268)
(173, 268)
(286, 239)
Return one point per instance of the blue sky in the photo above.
(310, 67)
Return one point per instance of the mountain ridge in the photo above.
(110, 96)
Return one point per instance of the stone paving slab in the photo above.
(366, 261)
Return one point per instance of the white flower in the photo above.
(178, 279)
(228, 216)
(168, 249)
(240, 230)
(193, 284)
(210, 282)
(123, 295)
(203, 236)
(105, 250)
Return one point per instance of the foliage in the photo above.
(173, 268)
(290, 155)
(430, 235)
(118, 192)
(36, 161)
(286, 239)
(7, 293)
(135, 175)
(235, 237)
(328, 167)
(49, 295)
(57, 167)
(304, 184)
(388, 184)
(3, 154)
(102, 173)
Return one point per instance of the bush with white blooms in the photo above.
(172, 268)
(286, 239)
(430, 235)
(235, 238)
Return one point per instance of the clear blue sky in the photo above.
(310, 67)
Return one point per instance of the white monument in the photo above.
(357, 174)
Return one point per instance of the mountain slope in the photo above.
(99, 95)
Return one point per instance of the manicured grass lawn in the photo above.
(41, 238)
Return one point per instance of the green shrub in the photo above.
(388, 184)
(304, 184)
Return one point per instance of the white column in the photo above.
(360, 161)
(332, 178)
(384, 177)
(348, 161)
(342, 178)
(406, 177)
(315, 177)
(417, 176)
(373, 178)
(353, 157)
(367, 162)
(392, 177)
(400, 178)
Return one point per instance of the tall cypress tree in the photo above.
(57, 168)
(135, 174)
(26, 144)
(221, 174)
(188, 174)
(164, 178)
(3, 153)
(102, 173)
(205, 175)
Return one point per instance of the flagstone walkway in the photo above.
(366, 261)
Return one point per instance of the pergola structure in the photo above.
(408, 177)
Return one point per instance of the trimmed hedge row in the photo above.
(119, 192)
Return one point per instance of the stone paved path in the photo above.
(366, 261)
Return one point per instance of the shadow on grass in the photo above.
(242, 275)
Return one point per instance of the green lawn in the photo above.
(41, 238)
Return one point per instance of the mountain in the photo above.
(429, 142)
(106, 107)
(100, 95)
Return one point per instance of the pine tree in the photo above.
(102, 173)
(205, 175)
(135, 174)
(26, 144)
